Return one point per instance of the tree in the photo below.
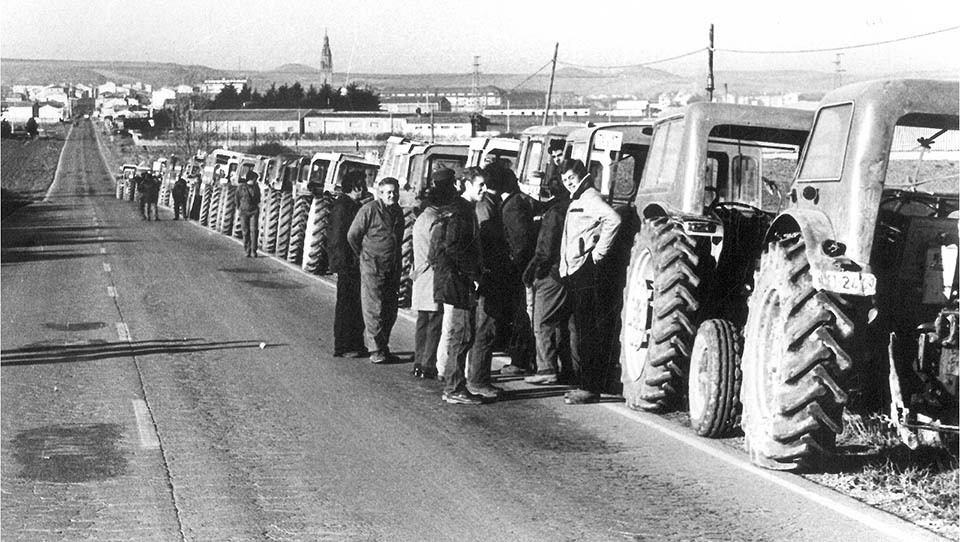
(5, 129)
(228, 98)
(162, 120)
(191, 132)
(32, 127)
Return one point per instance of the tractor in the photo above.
(533, 163)
(855, 300)
(714, 179)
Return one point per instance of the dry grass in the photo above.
(26, 171)
(873, 466)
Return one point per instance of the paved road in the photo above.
(138, 405)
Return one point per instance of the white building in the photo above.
(158, 97)
(50, 113)
(214, 86)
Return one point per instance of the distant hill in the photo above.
(640, 81)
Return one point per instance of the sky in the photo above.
(418, 36)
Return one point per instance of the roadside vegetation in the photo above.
(27, 168)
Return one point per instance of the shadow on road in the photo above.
(50, 354)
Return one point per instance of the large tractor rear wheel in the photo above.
(270, 221)
(298, 226)
(206, 194)
(794, 364)
(406, 261)
(228, 208)
(659, 314)
(714, 386)
(215, 197)
(283, 223)
(315, 246)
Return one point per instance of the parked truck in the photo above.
(855, 300)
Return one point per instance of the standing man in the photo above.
(376, 236)
(180, 198)
(520, 230)
(588, 233)
(493, 295)
(348, 315)
(152, 184)
(142, 187)
(551, 311)
(248, 205)
(429, 312)
(455, 257)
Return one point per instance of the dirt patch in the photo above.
(26, 170)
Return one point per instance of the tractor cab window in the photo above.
(447, 162)
(369, 172)
(716, 177)
(664, 155)
(318, 172)
(534, 157)
(922, 158)
(743, 177)
(244, 169)
(626, 171)
(232, 172)
(827, 145)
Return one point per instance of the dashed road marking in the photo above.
(123, 331)
(99, 238)
(103, 250)
(106, 267)
(111, 291)
(868, 517)
(148, 434)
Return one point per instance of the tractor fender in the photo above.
(830, 269)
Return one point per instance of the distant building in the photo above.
(368, 123)
(462, 99)
(413, 106)
(326, 62)
(212, 87)
(158, 97)
(538, 111)
(184, 89)
(247, 122)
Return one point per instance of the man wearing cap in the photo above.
(248, 205)
(376, 237)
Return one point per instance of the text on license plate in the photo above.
(846, 282)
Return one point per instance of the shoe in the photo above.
(512, 370)
(378, 357)
(353, 354)
(463, 397)
(542, 379)
(486, 391)
(426, 374)
(581, 397)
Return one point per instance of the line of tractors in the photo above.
(775, 267)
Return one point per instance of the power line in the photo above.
(841, 48)
(531, 76)
(639, 65)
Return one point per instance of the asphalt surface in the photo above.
(137, 404)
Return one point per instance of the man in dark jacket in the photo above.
(454, 255)
(551, 312)
(248, 205)
(152, 189)
(141, 186)
(376, 237)
(180, 198)
(348, 315)
(520, 230)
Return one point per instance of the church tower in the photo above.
(326, 61)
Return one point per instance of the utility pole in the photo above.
(553, 71)
(838, 73)
(710, 86)
(475, 90)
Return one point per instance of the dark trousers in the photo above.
(250, 224)
(143, 206)
(427, 339)
(484, 339)
(180, 208)
(589, 369)
(378, 294)
(348, 315)
(552, 326)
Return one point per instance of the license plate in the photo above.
(846, 282)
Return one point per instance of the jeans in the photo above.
(427, 339)
(180, 208)
(458, 335)
(250, 224)
(348, 316)
(481, 355)
(151, 210)
(551, 326)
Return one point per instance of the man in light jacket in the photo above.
(588, 233)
